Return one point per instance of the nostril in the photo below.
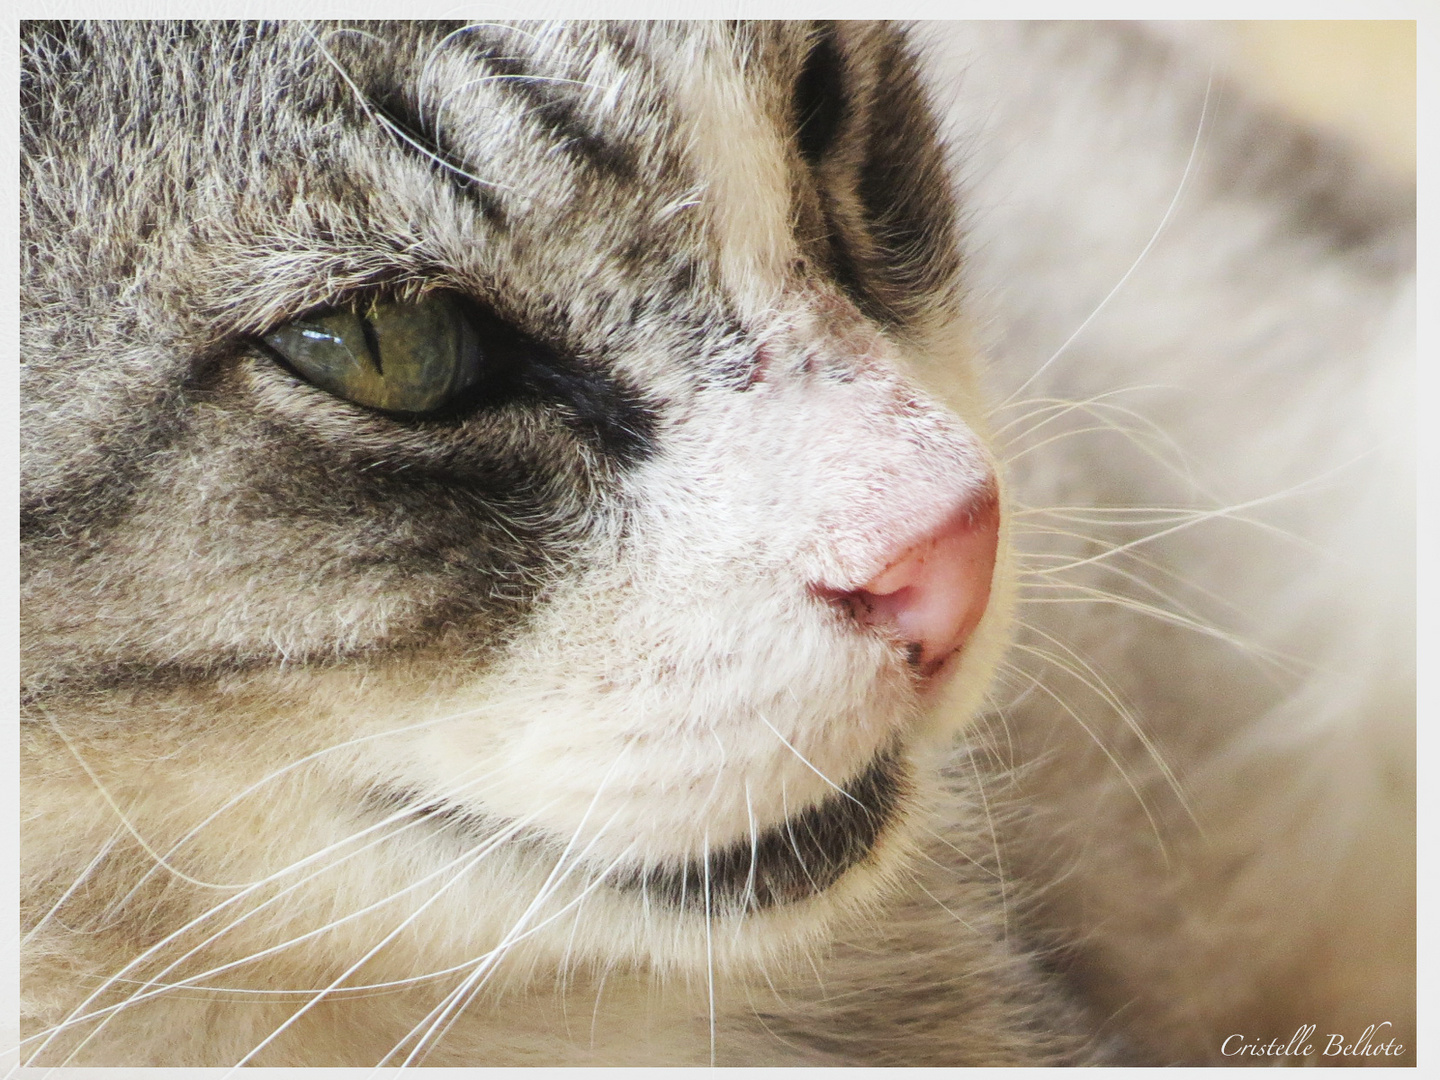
(933, 592)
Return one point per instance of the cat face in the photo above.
(655, 608)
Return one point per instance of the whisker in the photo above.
(1192, 515)
(394, 128)
(595, 1009)
(1097, 683)
(709, 951)
(748, 899)
(1287, 663)
(1100, 744)
(1016, 447)
(99, 858)
(946, 908)
(806, 761)
(1033, 577)
(217, 909)
(236, 799)
(999, 873)
(1159, 229)
(475, 980)
(365, 958)
(1200, 517)
(794, 844)
(491, 959)
(150, 988)
(120, 814)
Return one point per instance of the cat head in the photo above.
(502, 445)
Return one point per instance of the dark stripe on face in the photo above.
(820, 103)
(883, 197)
(846, 271)
(826, 121)
(605, 406)
(602, 408)
(422, 140)
(789, 862)
(555, 104)
(904, 187)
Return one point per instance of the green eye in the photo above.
(412, 358)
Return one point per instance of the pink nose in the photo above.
(933, 592)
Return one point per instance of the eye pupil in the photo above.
(412, 357)
(372, 343)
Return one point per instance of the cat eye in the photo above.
(407, 357)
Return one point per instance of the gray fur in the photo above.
(227, 570)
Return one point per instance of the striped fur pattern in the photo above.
(527, 731)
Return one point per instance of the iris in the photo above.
(401, 357)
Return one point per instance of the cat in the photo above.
(515, 519)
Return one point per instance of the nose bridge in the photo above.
(928, 433)
(831, 339)
(896, 464)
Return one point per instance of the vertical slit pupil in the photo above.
(371, 342)
(819, 97)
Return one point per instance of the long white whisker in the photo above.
(276, 774)
(489, 959)
(1226, 512)
(961, 852)
(475, 979)
(806, 761)
(152, 988)
(1100, 744)
(121, 816)
(795, 844)
(70, 891)
(749, 895)
(1159, 229)
(709, 951)
(1087, 595)
(1096, 407)
(1093, 680)
(1190, 516)
(595, 1009)
(945, 908)
(994, 846)
(78, 1015)
(395, 129)
(395, 932)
